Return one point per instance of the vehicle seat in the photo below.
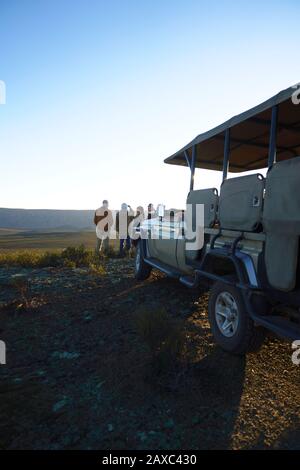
(241, 202)
(281, 222)
(209, 198)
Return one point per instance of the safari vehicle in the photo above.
(250, 256)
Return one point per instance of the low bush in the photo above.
(163, 335)
(71, 257)
(49, 259)
(25, 259)
(97, 269)
(80, 256)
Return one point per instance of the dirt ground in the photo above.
(78, 375)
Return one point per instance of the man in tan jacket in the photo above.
(103, 220)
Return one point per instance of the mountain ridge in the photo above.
(46, 219)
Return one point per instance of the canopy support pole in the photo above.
(226, 153)
(187, 158)
(273, 136)
(192, 167)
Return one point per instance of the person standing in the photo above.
(151, 212)
(138, 218)
(123, 219)
(103, 220)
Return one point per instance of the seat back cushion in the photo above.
(282, 199)
(241, 201)
(281, 222)
(209, 198)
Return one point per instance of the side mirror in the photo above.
(161, 210)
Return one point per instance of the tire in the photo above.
(239, 335)
(142, 269)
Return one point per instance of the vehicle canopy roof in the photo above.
(249, 137)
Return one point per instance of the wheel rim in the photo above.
(138, 259)
(227, 314)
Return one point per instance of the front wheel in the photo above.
(231, 325)
(142, 269)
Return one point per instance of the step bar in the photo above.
(189, 281)
(281, 326)
(165, 268)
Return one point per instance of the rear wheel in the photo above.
(142, 269)
(231, 325)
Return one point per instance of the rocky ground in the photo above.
(79, 376)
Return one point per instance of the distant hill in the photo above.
(46, 219)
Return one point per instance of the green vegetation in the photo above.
(31, 249)
(71, 257)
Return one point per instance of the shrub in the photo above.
(26, 259)
(71, 257)
(21, 284)
(78, 255)
(69, 264)
(163, 335)
(97, 269)
(49, 260)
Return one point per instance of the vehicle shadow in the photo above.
(219, 378)
(208, 398)
(289, 439)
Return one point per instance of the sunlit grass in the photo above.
(71, 257)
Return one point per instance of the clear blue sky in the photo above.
(100, 92)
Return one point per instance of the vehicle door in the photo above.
(164, 238)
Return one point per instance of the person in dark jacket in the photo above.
(151, 212)
(138, 218)
(123, 218)
(103, 220)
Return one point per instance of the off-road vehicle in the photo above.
(250, 256)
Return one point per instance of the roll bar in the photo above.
(226, 158)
